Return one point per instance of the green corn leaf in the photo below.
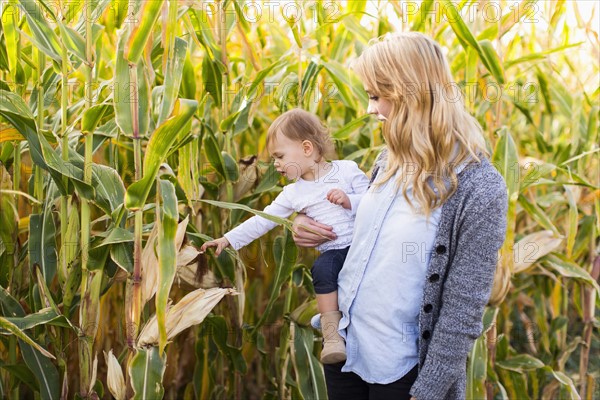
(14, 329)
(220, 333)
(42, 244)
(462, 31)
(159, 145)
(520, 363)
(173, 77)
(72, 243)
(304, 313)
(506, 161)
(146, 373)
(42, 317)
(508, 20)
(117, 235)
(44, 38)
(542, 55)
(470, 75)
(573, 218)
(285, 253)
(213, 153)
(421, 16)
(309, 372)
(22, 373)
(167, 254)
(213, 79)
(538, 215)
(16, 112)
(566, 382)
(570, 269)
(73, 41)
(60, 168)
(109, 188)
(93, 115)
(310, 76)
(534, 172)
(346, 131)
(477, 370)
(122, 255)
(234, 206)
(140, 34)
(232, 172)
(122, 96)
(349, 86)
(200, 28)
(492, 61)
(43, 369)
(11, 37)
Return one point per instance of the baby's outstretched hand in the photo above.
(219, 243)
(337, 196)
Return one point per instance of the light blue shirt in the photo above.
(381, 284)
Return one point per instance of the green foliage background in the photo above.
(120, 118)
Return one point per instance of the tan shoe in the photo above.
(334, 347)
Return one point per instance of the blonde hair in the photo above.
(425, 123)
(300, 125)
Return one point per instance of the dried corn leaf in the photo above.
(191, 310)
(533, 247)
(150, 260)
(114, 377)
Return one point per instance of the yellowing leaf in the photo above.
(114, 377)
(191, 310)
(533, 247)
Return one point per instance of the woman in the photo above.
(427, 233)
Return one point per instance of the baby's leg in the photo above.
(327, 302)
(325, 272)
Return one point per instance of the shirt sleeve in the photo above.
(256, 226)
(359, 182)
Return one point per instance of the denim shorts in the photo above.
(326, 269)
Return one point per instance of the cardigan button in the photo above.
(426, 335)
(434, 278)
(441, 249)
(428, 308)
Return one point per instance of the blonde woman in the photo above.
(421, 264)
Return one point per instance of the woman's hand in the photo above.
(309, 233)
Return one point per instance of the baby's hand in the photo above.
(219, 243)
(337, 196)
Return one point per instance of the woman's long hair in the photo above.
(428, 130)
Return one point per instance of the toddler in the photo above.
(328, 192)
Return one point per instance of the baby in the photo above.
(328, 192)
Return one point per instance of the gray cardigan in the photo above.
(459, 279)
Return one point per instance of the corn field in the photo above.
(133, 131)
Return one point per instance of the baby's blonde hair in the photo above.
(427, 119)
(300, 125)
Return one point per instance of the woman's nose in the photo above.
(371, 109)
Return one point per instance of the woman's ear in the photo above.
(307, 148)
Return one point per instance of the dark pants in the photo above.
(326, 269)
(349, 386)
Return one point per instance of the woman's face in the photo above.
(379, 106)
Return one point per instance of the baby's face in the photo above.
(291, 158)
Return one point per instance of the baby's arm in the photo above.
(219, 243)
(337, 196)
(359, 182)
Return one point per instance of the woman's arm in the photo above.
(310, 233)
(466, 291)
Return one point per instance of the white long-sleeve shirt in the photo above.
(310, 197)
